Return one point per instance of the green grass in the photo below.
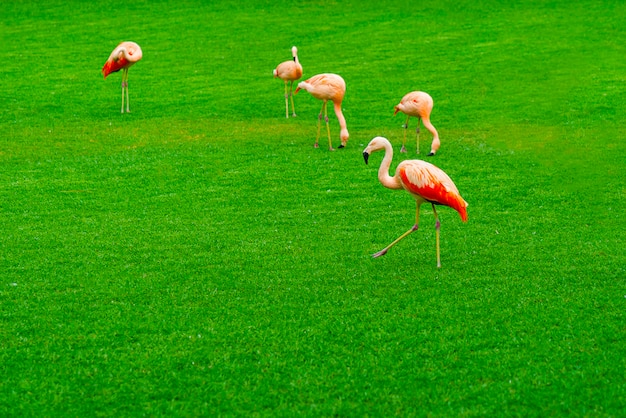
(199, 257)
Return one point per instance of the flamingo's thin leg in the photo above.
(401, 237)
(293, 106)
(405, 126)
(286, 101)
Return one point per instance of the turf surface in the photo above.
(199, 257)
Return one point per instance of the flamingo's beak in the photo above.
(396, 110)
(366, 156)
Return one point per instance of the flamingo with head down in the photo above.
(418, 104)
(327, 87)
(122, 58)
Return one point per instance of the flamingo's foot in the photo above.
(294, 115)
(331, 149)
(403, 149)
(380, 253)
(316, 145)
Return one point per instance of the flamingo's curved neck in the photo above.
(430, 127)
(383, 172)
(339, 113)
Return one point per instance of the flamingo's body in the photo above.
(327, 87)
(424, 181)
(289, 71)
(122, 58)
(418, 104)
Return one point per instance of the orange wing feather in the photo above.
(123, 56)
(425, 180)
(112, 66)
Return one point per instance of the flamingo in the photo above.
(122, 58)
(289, 71)
(327, 87)
(424, 181)
(418, 104)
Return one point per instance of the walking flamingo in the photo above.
(289, 71)
(122, 58)
(327, 87)
(418, 104)
(424, 181)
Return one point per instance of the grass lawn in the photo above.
(199, 257)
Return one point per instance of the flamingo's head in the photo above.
(396, 110)
(375, 144)
(344, 135)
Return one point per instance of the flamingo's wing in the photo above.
(113, 65)
(431, 183)
(288, 70)
(123, 56)
(327, 86)
(416, 103)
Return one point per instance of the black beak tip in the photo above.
(365, 156)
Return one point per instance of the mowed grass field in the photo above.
(199, 257)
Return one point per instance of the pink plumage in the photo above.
(124, 56)
(424, 181)
(289, 71)
(418, 104)
(327, 87)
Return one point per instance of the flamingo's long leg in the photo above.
(123, 87)
(286, 101)
(401, 237)
(437, 226)
(293, 106)
(405, 126)
(127, 94)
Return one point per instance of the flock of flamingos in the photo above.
(422, 180)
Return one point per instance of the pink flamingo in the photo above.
(289, 71)
(122, 58)
(327, 87)
(424, 181)
(418, 104)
